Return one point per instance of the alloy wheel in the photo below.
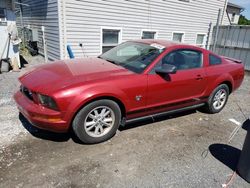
(99, 121)
(220, 98)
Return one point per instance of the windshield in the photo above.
(133, 56)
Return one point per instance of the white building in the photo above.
(7, 4)
(8, 49)
(101, 24)
(233, 12)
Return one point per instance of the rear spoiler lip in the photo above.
(232, 59)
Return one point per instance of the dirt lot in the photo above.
(185, 150)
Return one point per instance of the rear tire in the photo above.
(97, 121)
(217, 100)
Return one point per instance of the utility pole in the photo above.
(21, 18)
(44, 45)
(217, 30)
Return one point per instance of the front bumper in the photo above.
(40, 116)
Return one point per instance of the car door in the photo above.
(184, 88)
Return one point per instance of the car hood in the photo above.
(60, 74)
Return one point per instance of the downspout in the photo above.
(62, 29)
(12, 5)
(59, 9)
(217, 30)
(223, 12)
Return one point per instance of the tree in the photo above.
(243, 20)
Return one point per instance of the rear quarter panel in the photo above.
(238, 74)
(226, 72)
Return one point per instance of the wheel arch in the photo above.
(223, 79)
(229, 84)
(107, 97)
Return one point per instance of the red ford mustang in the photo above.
(93, 96)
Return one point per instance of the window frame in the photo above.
(110, 28)
(148, 30)
(179, 32)
(152, 71)
(204, 42)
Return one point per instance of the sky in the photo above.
(245, 4)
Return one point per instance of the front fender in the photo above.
(92, 93)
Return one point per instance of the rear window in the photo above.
(214, 60)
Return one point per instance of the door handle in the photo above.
(199, 77)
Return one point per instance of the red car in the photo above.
(93, 96)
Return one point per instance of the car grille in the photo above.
(26, 92)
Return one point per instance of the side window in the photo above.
(214, 60)
(184, 59)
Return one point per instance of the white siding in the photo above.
(6, 4)
(84, 18)
(43, 13)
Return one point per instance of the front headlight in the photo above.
(47, 101)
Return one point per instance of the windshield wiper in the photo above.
(111, 61)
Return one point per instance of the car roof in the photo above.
(161, 42)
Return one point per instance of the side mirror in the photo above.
(166, 69)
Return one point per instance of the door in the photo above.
(183, 88)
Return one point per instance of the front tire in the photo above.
(218, 99)
(97, 121)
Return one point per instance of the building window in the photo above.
(148, 35)
(201, 40)
(233, 18)
(110, 38)
(2, 14)
(178, 37)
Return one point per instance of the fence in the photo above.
(233, 41)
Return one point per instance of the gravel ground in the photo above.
(10, 125)
(184, 150)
